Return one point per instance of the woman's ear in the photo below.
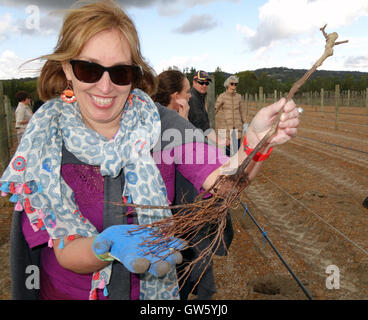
(173, 97)
(67, 68)
(173, 103)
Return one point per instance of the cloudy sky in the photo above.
(232, 34)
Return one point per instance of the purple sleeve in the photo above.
(33, 238)
(168, 174)
(196, 161)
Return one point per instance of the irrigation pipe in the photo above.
(265, 237)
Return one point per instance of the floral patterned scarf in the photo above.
(33, 175)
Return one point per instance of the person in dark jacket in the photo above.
(198, 114)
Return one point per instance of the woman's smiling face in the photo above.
(101, 103)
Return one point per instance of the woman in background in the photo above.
(173, 91)
(230, 113)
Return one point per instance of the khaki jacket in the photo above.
(230, 112)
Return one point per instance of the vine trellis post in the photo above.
(4, 147)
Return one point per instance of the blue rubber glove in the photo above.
(117, 243)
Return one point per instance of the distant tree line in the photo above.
(12, 86)
(249, 81)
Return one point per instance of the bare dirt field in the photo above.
(308, 198)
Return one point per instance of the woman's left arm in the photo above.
(260, 125)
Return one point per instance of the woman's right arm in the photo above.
(77, 255)
(261, 123)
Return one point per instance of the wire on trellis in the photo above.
(318, 216)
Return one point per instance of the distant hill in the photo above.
(282, 73)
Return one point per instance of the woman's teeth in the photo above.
(102, 101)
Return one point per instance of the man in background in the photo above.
(198, 115)
(23, 113)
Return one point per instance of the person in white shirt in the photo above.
(23, 113)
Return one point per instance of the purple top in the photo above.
(195, 161)
(88, 186)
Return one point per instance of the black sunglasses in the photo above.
(91, 72)
(203, 82)
(234, 84)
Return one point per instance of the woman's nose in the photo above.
(105, 83)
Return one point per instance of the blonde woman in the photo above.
(89, 147)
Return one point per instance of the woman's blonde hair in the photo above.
(80, 25)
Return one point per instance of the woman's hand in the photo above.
(183, 107)
(258, 128)
(128, 245)
(120, 242)
(263, 121)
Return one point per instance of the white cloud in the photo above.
(175, 7)
(7, 26)
(165, 7)
(196, 23)
(192, 3)
(64, 4)
(288, 19)
(11, 66)
(357, 62)
(246, 31)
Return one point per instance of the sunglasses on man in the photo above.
(203, 82)
(91, 72)
(234, 84)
